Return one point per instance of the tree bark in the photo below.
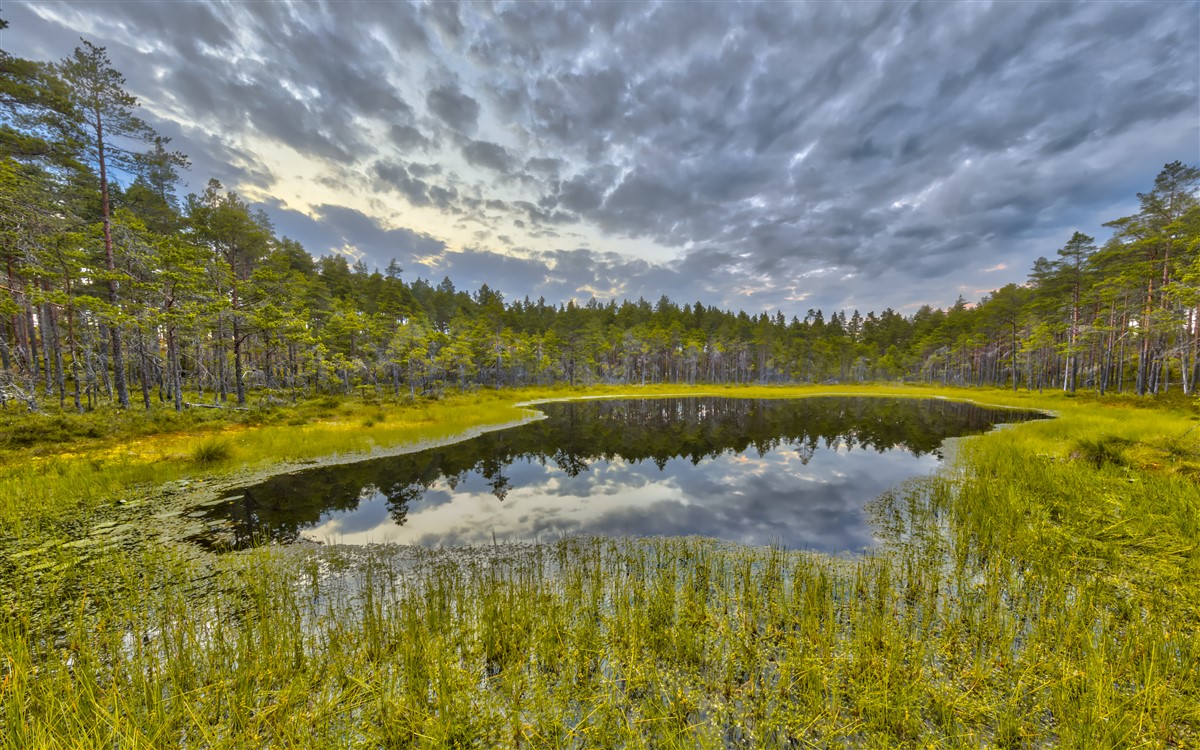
(114, 331)
(173, 369)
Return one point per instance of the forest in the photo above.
(119, 290)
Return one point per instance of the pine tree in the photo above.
(106, 119)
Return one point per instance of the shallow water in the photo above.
(797, 473)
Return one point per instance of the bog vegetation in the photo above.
(1039, 591)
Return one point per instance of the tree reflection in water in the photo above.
(742, 469)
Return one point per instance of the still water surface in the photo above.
(791, 472)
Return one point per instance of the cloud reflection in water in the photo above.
(796, 473)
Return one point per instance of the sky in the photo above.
(755, 156)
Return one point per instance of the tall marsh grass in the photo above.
(1027, 595)
(590, 643)
(211, 450)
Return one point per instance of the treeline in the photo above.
(117, 289)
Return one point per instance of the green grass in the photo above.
(212, 450)
(1042, 590)
(43, 487)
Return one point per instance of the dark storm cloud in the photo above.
(546, 167)
(540, 216)
(790, 155)
(578, 194)
(454, 108)
(407, 138)
(335, 228)
(488, 155)
(445, 19)
(395, 176)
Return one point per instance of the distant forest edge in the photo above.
(117, 291)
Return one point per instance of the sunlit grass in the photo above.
(1042, 590)
(212, 450)
(604, 643)
(38, 486)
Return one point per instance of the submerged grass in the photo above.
(1042, 590)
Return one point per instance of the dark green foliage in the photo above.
(52, 430)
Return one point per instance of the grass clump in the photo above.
(211, 450)
(1105, 450)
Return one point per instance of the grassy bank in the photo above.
(1042, 590)
(60, 466)
(75, 472)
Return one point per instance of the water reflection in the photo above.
(752, 471)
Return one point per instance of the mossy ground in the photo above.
(1043, 589)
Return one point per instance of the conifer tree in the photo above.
(106, 119)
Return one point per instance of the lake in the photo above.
(796, 473)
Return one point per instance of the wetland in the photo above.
(894, 572)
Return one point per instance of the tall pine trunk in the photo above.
(173, 378)
(114, 331)
(239, 382)
(144, 358)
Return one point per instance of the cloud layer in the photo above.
(759, 156)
